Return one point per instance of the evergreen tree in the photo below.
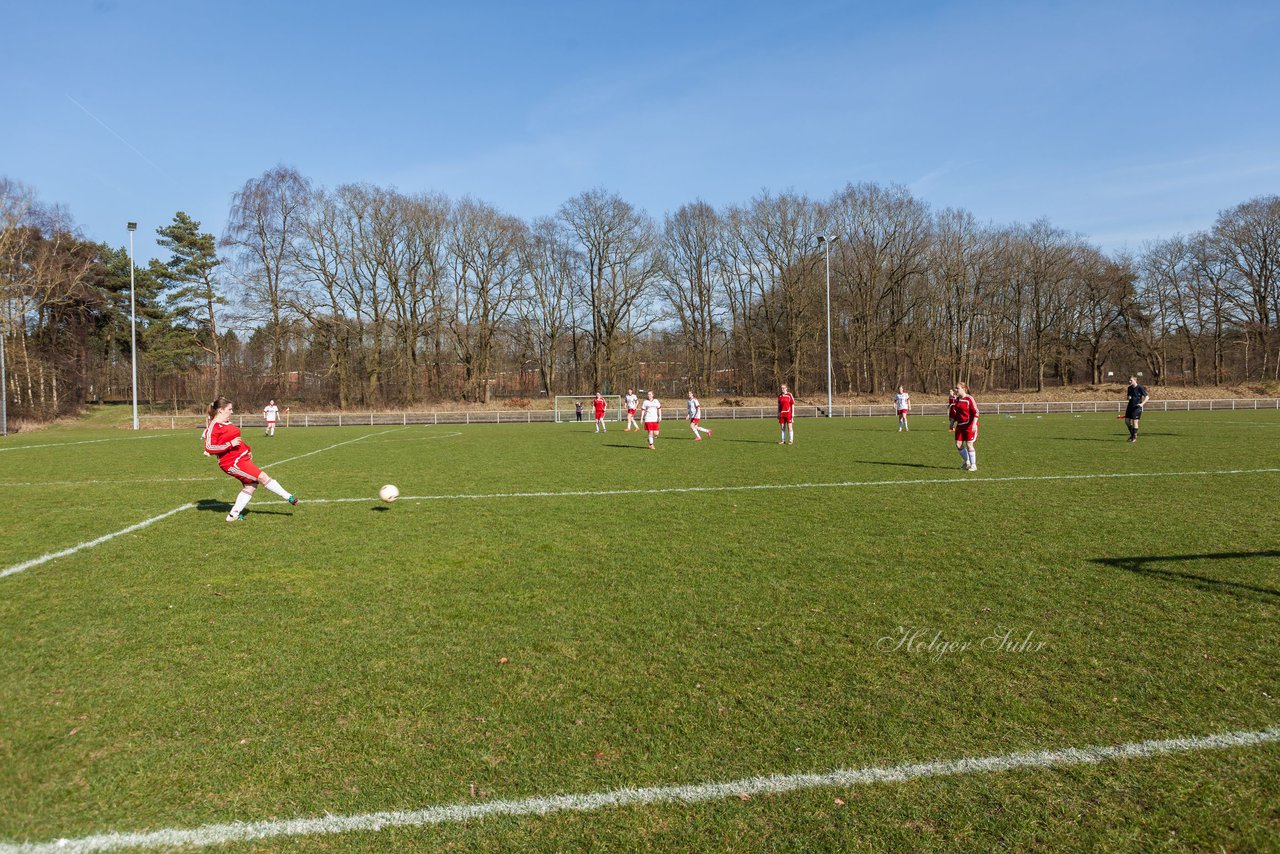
(191, 282)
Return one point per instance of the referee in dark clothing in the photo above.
(1133, 412)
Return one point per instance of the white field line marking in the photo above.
(337, 445)
(220, 834)
(16, 568)
(768, 486)
(418, 438)
(83, 442)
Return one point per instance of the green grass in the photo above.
(345, 658)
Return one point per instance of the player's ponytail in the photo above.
(216, 405)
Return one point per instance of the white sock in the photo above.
(973, 458)
(275, 487)
(242, 500)
(964, 455)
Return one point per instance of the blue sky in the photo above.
(1121, 121)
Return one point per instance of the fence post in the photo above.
(339, 419)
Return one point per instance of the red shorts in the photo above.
(967, 432)
(785, 419)
(651, 426)
(694, 420)
(241, 467)
(902, 412)
(631, 412)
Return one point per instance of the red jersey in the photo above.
(786, 405)
(600, 405)
(964, 410)
(217, 441)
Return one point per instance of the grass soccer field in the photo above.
(812, 640)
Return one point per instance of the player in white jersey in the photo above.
(902, 403)
(632, 403)
(695, 415)
(270, 413)
(651, 416)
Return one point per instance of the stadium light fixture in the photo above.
(133, 327)
(825, 240)
(4, 390)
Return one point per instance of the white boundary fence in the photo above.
(374, 419)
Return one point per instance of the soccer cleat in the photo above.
(973, 467)
(293, 499)
(235, 518)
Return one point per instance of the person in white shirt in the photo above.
(269, 414)
(902, 403)
(632, 403)
(695, 415)
(651, 416)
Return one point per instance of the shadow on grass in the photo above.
(214, 505)
(1143, 566)
(908, 465)
(629, 447)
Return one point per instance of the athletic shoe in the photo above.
(293, 499)
(231, 518)
(973, 468)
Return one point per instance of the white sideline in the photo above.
(220, 834)
(844, 484)
(16, 568)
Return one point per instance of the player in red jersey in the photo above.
(222, 439)
(599, 405)
(964, 414)
(786, 415)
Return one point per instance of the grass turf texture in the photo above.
(345, 658)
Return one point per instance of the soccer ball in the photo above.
(389, 493)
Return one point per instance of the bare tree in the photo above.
(694, 286)
(549, 264)
(484, 277)
(265, 220)
(1248, 240)
(618, 243)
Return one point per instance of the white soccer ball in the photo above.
(389, 493)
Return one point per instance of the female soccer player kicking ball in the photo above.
(222, 440)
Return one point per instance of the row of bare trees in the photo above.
(366, 296)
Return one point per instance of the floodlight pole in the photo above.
(4, 390)
(133, 327)
(825, 240)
